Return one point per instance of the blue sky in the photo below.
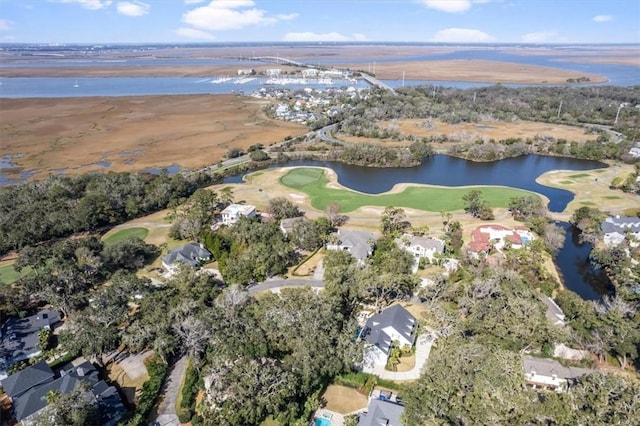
(455, 21)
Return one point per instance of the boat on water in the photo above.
(76, 84)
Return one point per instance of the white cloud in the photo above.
(451, 6)
(332, 36)
(194, 34)
(540, 37)
(287, 17)
(5, 25)
(602, 18)
(193, 1)
(132, 8)
(88, 4)
(222, 15)
(461, 35)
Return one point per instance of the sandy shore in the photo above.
(78, 135)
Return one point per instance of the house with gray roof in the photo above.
(287, 225)
(20, 337)
(28, 403)
(394, 324)
(615, 228)
(358, 243)
(381, 412)
(420, 247)
(545, 373)
(19, 383)
(191, 254)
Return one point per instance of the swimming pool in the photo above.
(323, 421)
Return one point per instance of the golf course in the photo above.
(314, 182)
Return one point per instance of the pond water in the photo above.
(572, 259)
(520, 172)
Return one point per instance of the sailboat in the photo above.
(76, 84)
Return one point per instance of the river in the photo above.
(571, 260)
(620, 75)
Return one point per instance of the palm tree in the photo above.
(52, 396)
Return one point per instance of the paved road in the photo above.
(277, 284)
(325, 134)
(167, 407)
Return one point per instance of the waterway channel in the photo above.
(521, 172)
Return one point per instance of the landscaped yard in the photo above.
(125, 234)
(313, 181)
(343, 399)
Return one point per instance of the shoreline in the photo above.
(454, 70)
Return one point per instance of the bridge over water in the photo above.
(278, 60)
(375, 82)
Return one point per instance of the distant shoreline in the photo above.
(419, 62)
(461, 70)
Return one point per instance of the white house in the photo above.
(615, 228)
(233, 212)
(273, 72)
(381, 330)
(358, 243)
(310, 72)
(544, 373)
(421, 247)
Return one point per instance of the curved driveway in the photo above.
(277, 284)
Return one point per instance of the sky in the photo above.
(447, 21)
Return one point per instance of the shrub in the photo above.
(157, 369)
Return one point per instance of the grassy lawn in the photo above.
(579, 175)
(313, 182)
(125, 234)
(8, 275)
(343, 399)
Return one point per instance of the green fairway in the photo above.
(579, 175)
(8, 275)
(126, 234)
(313, 182)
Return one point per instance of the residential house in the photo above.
(615, 228)
(394, 324)
(484, 237)
(421, 247)
(358, 243)
(21, 382)
(246, 71)
(380, 412)
(310, 72)
(190, 254)
(273, 72)
(287, 225)
(28, 390)
(234, 212)
(20, 337)
(635, 152)
(544, 373)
